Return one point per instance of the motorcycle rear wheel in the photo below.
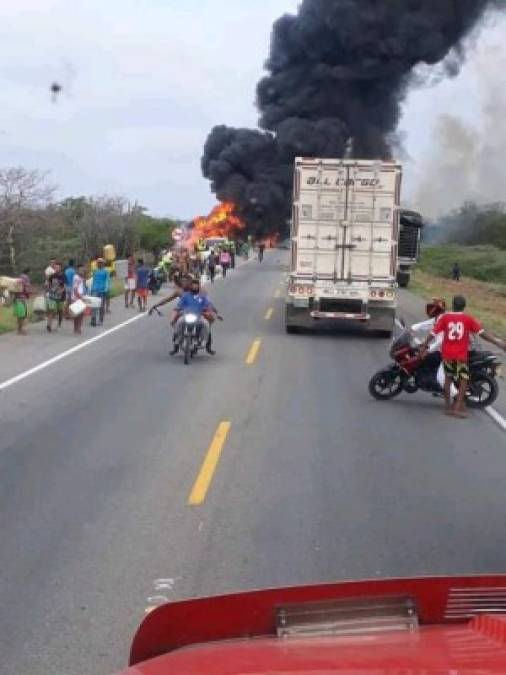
(386, 384)
(482, 392)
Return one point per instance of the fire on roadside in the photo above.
(221, 222)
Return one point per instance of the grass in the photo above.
(7, 320)
(484, 263)
(485, 300)
(483, 281)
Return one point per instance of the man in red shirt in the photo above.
(457, 328)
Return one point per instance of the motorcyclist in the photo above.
(432, 362)
(198, 303)
(433, 309)
(183, 286)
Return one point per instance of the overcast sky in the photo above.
(144, 82)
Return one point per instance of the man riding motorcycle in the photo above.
(186, 285)
(198, 303)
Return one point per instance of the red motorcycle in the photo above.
(410, 373)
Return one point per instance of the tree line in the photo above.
(35, 227)
(472, 224)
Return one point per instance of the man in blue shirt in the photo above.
(143, 273)
(193, 301)
(99, 288)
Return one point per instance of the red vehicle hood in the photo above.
(455, 626)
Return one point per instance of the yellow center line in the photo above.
(253, 352)
(208, 468)
(277, 294)
(269, 313)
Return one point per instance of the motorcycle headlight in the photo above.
(191, 318)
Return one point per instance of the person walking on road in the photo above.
(456, 272)
(457, 328)
(130, 282)
(143, 273)
(212, 261)
(69, 272)
(224, 261)
(261, 249)
(55, 297)
(232, 255)
(100, 285)
(77, 292)
(50, 269)
(19, 306)
(245, 251)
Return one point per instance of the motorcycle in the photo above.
(410, 372)
(156, 280)
(191, 340)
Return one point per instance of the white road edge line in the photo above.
(498, 419)
(82, 345)
(68, 352)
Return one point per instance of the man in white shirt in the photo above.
(420, 332)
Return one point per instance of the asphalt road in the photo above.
(316, 481)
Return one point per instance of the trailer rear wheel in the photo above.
(403, 278)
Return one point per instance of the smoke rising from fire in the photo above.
(337, 74)
(465, 161)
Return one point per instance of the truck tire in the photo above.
(290, 328)
(403, 278)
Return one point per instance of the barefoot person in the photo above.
(78, 291)
(143, 272)
(130, 282)
(456, 328)
(19, 306)
(55, 298)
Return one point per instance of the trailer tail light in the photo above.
(302, 290)
(381, 294)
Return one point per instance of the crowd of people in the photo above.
(181, 262)
(76, 291)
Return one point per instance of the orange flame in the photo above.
(221, 222)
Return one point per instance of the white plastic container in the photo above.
(92, 301)
(77, 308)
(12, 284)
(39, 305)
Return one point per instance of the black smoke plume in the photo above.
(338, 73)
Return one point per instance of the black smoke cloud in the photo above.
(338, 73)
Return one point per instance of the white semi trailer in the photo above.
(344, 244)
